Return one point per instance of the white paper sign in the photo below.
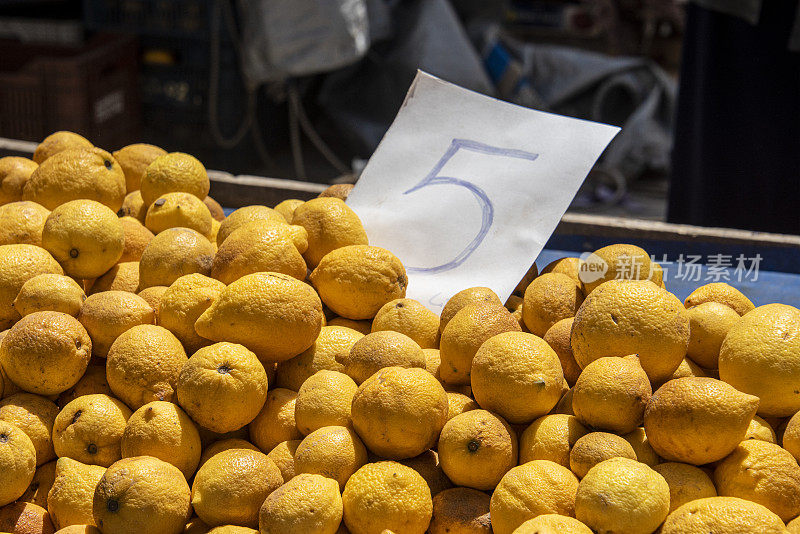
(466, 189)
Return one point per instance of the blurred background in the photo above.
(305, 89)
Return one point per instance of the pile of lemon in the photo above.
(167, 369)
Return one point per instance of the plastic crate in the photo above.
(175, 18)
(91, 90)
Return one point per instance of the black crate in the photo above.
(174, 18)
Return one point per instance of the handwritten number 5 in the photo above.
(487, 209)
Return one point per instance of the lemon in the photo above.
(720, 292)
(763, 473)
(596, 447)
(387, 496)
(164, 431)
(516, 375)
(399, 412)
(558, 337)
(530, 276)
(142, 494)
(231, 486)
(340, 191)
(286, 207)
(330, 224)
(275, 422)
(50, 292)
(569, 266)
(178, 209)
(364, 326)
(335, 452)
(34, 415)
(791, 436)
(85, 237)
(686, 483)
(324, 400)
(641, 446)
(550, 437)
(378, 350)
(476, 449)
(564, 406)
(40, 485)
(70, 499)
(17, 462)
(332, 344)
(22, 223)
(14, 172)
(465, 333)
(614, 262)
(133, 207)
(152, 295)
(458, 403)
(794, 525)
(709, 323)
(46, 352)
(214, 207)
(532, 489)
(25, 518)
(465, 297)
(722, 515)
(697, 420)
(174, 172)
(124, 276)
(232, 529)
(225, 445)
(271, 226)
(460, 511)
(687, 368)
(357, 280)
(77, 173)
(624, 317)
(760, 429)
(243, 217)
(137, 237)
(428, 466)
(92, 381)
(257, 248)
(611, 394)
(174, 253)
(761, 356)
(89, 429)
(548, 299)
(552, 524)
(622, 495)
(283, 456)
(183, 303)
(18, 264)
(57, 142)
(109, 314)
(514, 304)
(134, 160)
(411, 318)
(307, 503)
(222, 387)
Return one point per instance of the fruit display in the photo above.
(168, 369)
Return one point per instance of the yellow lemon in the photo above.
(324, 400)
(335, 452)
(18, 264)
(89, 429)
(330, 224)
(283, 456)
(332, 344)
(378, 350)
(50, 292)
(70, 499)
(458, 403)
(232, 485)
(25, 518)
(109, 314)
(40, 485)
(411, 318)
(399, 412)
(641, 446)
(14, 172)
(460, 511)
(686, 483)
(477, 448)
(137, 237)
(570, 266)
(288, 311)
(307, 503)
(720, 292)
(164, 431)
(46, 352)
(428, 466)
(722, 515)
(364, 326)
(177, 209)
(595, 447)
(340, 191)
(287, 207)
(275, 422)
(532, 489)
(34, 415)
(552, 524)
(551, 437)
(516, 375)
(465, 297)
(760, 429)
(174, 172)
(214, 207)
(624, 317)
(226, 445)
(761, 356)
(142, 494)
(222, 387)
(530, 276)
(357, 280)
(85, 237)
(548, 299)
(387, 496)
(697, 420)
(709, 323)
(557, 336)
(245, 216)
(92, 381)
(57, 142)
(271, 226)
(791, 436)
(622, 495)
(124, 276)
(152, 296)
(174, 253)
(257, 248)
(133, 207)
(77, 173)
(22, 223)
(183, 303)
(514, 304)
(614, 262)
(134, 160)
(17, 462)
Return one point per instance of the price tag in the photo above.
(466, 189)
